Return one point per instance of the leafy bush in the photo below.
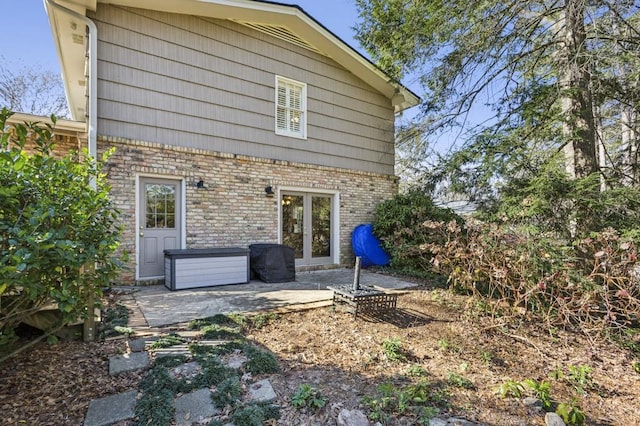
(54, 227)
(571, 414)
(397, 223)
(114, 321)
(455, 379)
(215, 331)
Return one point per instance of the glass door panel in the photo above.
(161, 205)
(293, 223)
(320, 226)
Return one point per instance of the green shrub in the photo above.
(571, 414)
(541, 390)
(455, 379)
(114, 321)
(56, 223)
(218, 319)
(397, 223)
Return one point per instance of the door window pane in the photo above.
(293, 223)
(320, 226)
(161, 205)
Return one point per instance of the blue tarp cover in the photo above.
(368, 247)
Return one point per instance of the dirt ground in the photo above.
(342, 356)
(441, 335)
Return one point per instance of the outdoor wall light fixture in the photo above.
(200, 184)
(269, 191)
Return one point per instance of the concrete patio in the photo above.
(162, 307)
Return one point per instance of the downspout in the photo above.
(91, 71)
(89, 325)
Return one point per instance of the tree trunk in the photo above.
(629, 146)
(577, 106)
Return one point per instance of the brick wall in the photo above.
(63, 145)
(232, 210)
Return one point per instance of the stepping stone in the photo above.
(235, 360)
(128, 362)
(188, 370)
(112, 409)
(552, 419)
(137, 345)
(352, 418)
(262, 391)
(195, 407)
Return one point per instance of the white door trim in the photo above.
(183, 215)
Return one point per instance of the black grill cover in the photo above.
(273, 263)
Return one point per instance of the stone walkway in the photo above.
(195, 407)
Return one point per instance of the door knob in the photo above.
(142, 234)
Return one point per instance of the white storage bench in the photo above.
(195, 268)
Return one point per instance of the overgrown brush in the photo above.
(592, 284)
(396, 222)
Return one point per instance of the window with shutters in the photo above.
(291, 108)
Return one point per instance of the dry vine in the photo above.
(592, 286)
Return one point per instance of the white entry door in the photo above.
(307, 226)
(159, 224)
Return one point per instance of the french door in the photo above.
(307, 226)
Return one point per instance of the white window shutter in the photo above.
(290, 108)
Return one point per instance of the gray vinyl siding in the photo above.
(210, 84)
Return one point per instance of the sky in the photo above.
(26, 36)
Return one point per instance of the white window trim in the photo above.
(303, 108)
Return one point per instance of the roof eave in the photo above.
(61, 126)
(69, 36)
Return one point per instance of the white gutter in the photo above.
(62, 126)
(91, 71)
